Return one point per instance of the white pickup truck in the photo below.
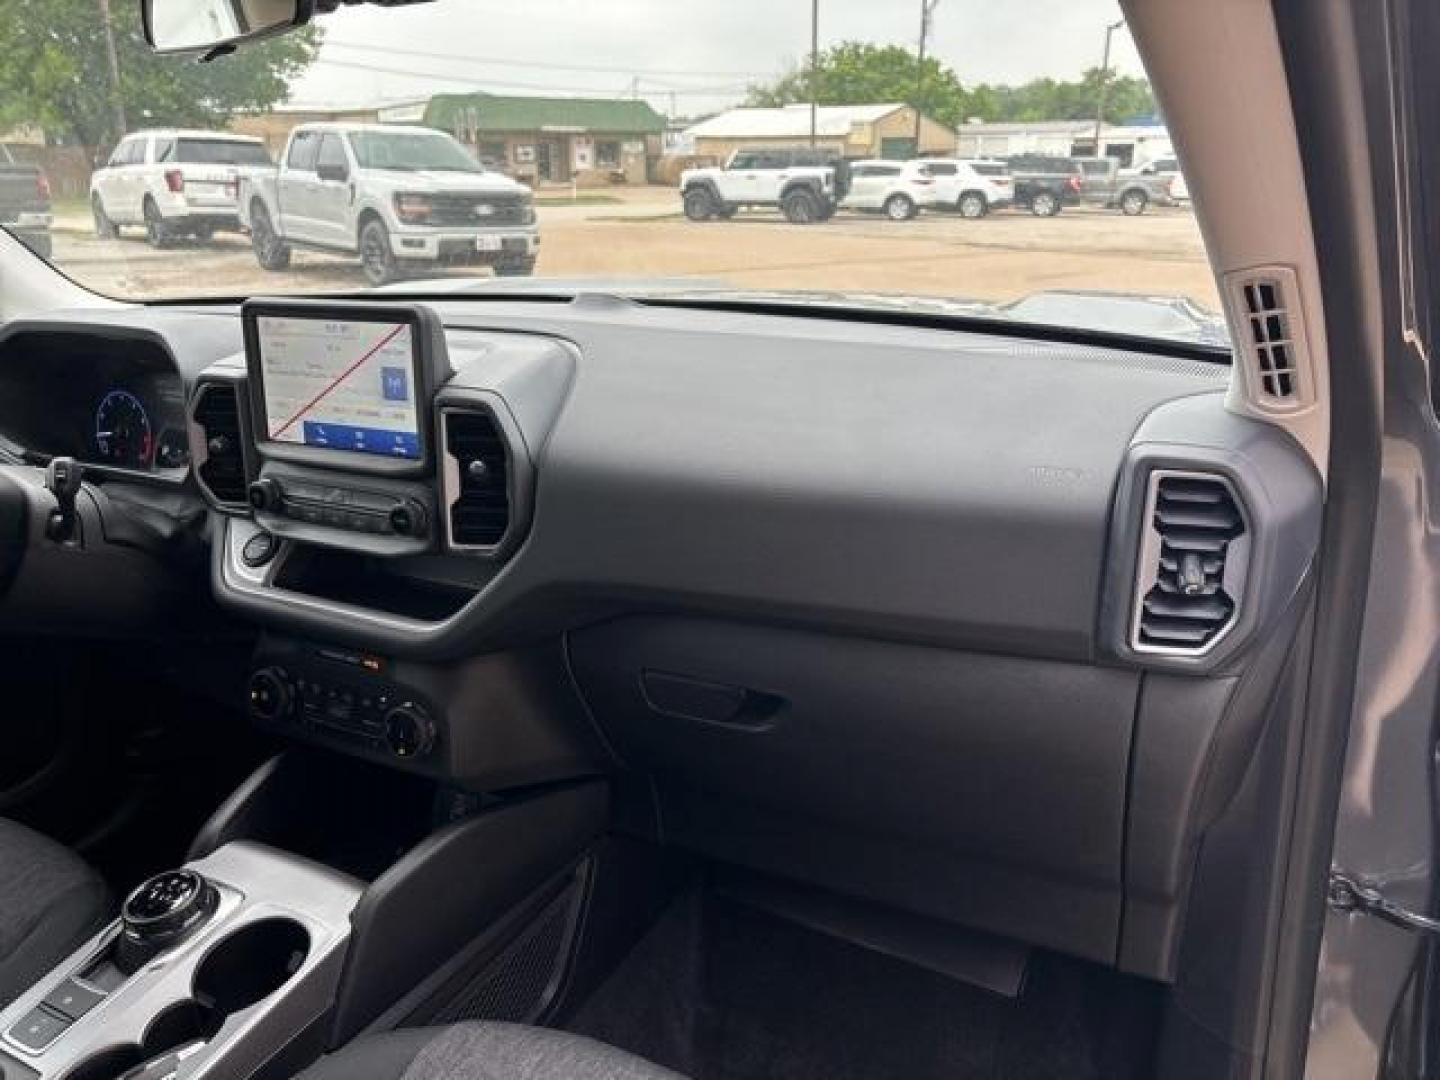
(399, 197)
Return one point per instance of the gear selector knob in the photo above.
(160, 913)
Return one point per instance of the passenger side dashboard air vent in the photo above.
(218, 445)
(478, 477)
(1194, 551)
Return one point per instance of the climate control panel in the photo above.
(344, 699)
(355, 510)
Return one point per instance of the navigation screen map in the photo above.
(340, 385)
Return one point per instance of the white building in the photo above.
(855, 131)
(1065, 138)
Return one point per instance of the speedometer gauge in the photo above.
(122, 431)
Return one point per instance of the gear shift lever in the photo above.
(160, 913)
(63, 478)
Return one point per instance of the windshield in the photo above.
(662, 147)
(411, 150)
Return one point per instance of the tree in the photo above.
(1047, 99)
(858, 73)
(53, 73)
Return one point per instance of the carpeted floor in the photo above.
(719, 991)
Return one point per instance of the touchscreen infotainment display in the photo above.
(339, 384)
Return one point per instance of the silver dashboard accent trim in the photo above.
(255, 883)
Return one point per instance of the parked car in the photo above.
(1044, 185)
(1105, 182)
(1172, 317)
(1167, 169)
(805, 184)
(897, 189)
(399, 197)
(973, 188)
(25, 202)
(174, 183)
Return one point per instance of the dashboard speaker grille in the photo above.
(480, 507)
(1195, 522)
(217, 415)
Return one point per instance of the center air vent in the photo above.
(221, 453)
(1192, 563)
(477, 479)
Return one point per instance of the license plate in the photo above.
(487, 243)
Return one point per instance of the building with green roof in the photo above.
(554, 140)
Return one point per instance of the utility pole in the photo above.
(117, 103)
(927, 11)
(814, 72)
(1104, 84)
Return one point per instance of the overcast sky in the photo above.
(704, 52)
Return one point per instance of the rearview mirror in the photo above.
(178, 26)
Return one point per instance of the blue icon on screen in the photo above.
(395, 384)
(361, 440)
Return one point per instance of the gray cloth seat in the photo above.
(482, 1051)
(50, 902)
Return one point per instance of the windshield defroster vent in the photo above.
(477, 479)
(1192, 563)
(1271, 338)
(220, 450)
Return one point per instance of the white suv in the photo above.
(804, 183)
(971, 187)
(175, 183)
(899, 189)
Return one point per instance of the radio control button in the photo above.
(408, 519)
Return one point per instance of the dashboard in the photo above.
(1021, 581)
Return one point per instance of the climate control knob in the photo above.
(409, 731)
(409, 518)
(270, 696)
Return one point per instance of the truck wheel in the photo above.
(515, 267)
(699, 205)
(271, 252)
(1133, 202)
(972, 205)
(1044, 204)
(900, 208)
(376, 257)
(800, 207)
(105, 229)
(727, 211)
(157, 233)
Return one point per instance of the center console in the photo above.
(215, 966)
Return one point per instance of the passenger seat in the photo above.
(50, 902)
(482, 1051)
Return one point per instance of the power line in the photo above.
(609, 91)
(499, 61)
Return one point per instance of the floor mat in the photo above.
(719, 991)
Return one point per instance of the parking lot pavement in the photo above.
(1003, 256)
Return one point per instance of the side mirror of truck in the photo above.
(214, 26)
(335, 174)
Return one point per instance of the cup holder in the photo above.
(245, 968)
(107, 1064)
(250, 965)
